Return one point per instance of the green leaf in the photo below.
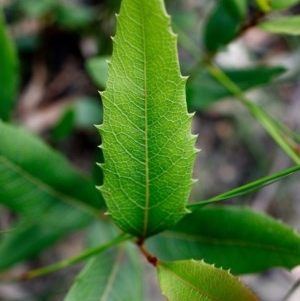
(36, 180)
(42, 187)
(110, 274)
(224, 23)
(65, 125)
(288, 25)
(211, 90)
(282, 4)
(228, 237)
(37, 8)
(195, 280)
(74, 16)
(247, 188)
(31, 239)
(147, 145)
(88, 112)
(98, 69)
(8, 71)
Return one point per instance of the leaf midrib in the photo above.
(113, 274)
(227, 242)
(46, 188)
(188, 284)
(147, 192)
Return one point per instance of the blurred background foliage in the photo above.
(52, 65)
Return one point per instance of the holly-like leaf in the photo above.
(147, 145)
(228, 237)
(8, 71)
(195, 280)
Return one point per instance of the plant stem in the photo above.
(274, 128)
(68, 262)
(265, 120)
(247, 188)
(151, 258)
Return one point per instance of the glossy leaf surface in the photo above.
(195, 280)
(8, 71)
(229, 237)
(147, 145)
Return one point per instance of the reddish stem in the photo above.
(151, 258)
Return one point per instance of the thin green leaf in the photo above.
(71, 261)
(106, 277)
(288, 25)
(109, 275)
(260, 114)
(228, 237)
(147, 145)
(195, 280)
(211, 90)
(282, 4)
(8, 71)
(248, 188)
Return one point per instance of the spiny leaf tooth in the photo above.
(99, 187)
(187, 211)
(100, 164)
(194, 181)
(197, 150)
(132, 99)
(191, 115)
